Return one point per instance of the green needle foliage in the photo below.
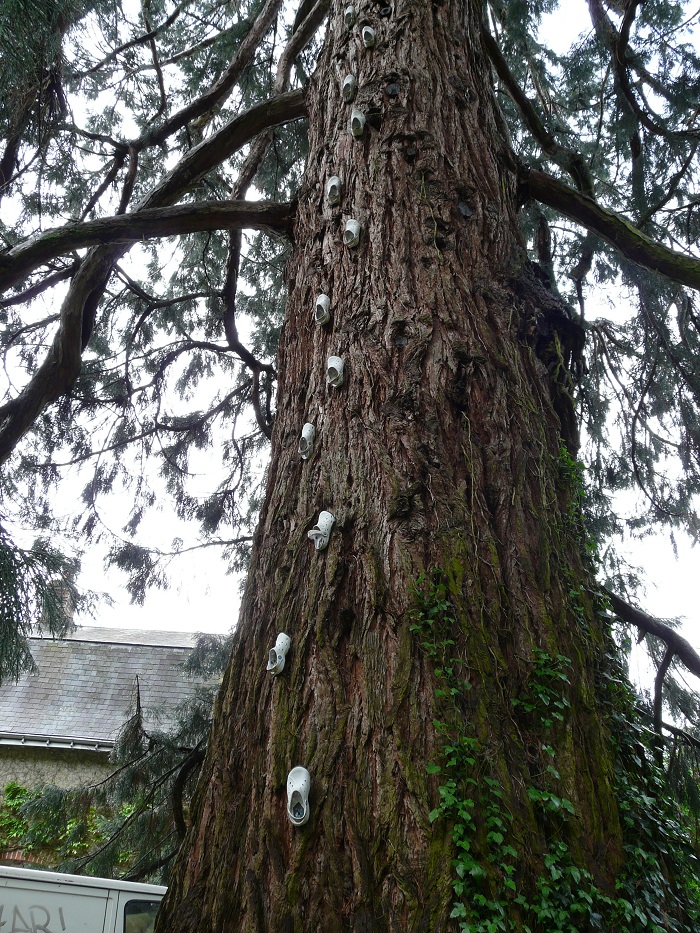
(37, 596)
(163, 396)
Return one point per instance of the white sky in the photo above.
(203, 598)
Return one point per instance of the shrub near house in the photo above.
(42, 840)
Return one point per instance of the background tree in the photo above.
(474, 751)
(38, 595)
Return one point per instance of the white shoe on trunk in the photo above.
(298, 787)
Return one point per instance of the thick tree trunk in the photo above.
(440, 450)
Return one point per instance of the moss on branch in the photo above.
(615, 229)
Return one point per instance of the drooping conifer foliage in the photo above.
(38, 596)
(130, 823)
(83, 114)
(140, 330)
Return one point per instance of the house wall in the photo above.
(64, 767)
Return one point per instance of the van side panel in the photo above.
(37, 907)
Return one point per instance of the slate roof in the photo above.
(84, 686)
(132, 636)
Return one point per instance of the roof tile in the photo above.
(85, 689)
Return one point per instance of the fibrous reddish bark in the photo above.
(440, 450)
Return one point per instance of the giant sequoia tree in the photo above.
(451, 685)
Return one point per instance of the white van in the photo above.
(48, 902)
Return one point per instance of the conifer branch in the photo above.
(309, 18)
(29, 329)
(162, 106)
(238, 132)
(680, 646)
(183, 426)
(18, 262)
(620, 57)
(8, 161)
(146, 802)
(39, 287)
(140, 871)
(302, 34)
(183, 54)
(682, 734)
(676, 646)
(143, 225)
(218, 91)
(672, 188)
(686, 737)
(61, 366)
(134, 43)
(568, 159)
(245, 178)
(615, 229)
(109, 178)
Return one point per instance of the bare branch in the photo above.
(263, 423)
(242, 539)
(680, 646)
(143, 225)
(118, 144)
(615, 229)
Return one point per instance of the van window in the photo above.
(140, 916)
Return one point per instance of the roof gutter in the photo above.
(37, 740)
